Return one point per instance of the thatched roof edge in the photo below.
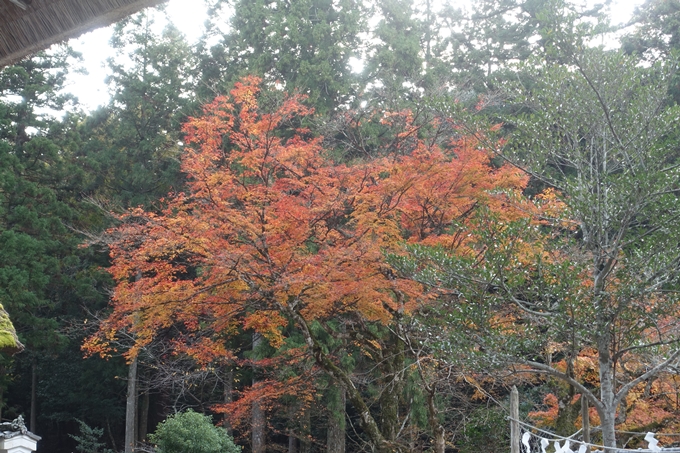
(44, 33)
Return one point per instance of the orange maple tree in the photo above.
(271, 232)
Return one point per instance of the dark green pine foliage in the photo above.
(37, 182)
(45, 277)
(305, 45)
(133, 144)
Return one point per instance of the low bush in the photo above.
(191, 432)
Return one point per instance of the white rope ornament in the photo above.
(525, 440)
(653, 443)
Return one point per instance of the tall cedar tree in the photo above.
(483, 42)
(305, 45)
(45, 278)
(132, 145)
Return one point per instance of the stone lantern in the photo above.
(15, 438)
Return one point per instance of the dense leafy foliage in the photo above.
(191, 432)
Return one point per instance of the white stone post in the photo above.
(21, 443)
(15, 438)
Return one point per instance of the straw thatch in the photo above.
(9, 342)
(27, 26)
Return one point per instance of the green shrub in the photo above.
(89, 439)
(191, 432)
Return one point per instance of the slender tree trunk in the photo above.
(33, 427)
(110, 433)
(228, 397)
(258, 422)
(131, 408)
(607, 394)
(131, 399)
(585, 417)
(144, 417)
(305, 442)
(292, 442)
(436, 427)
(393, 365)
(335, 440)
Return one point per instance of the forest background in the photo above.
(368, 262)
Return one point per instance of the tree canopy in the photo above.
(346, 226)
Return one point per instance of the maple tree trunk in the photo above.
(257, 426)
(131, 407)
(335, 440)
(257, 416)
(366, 420)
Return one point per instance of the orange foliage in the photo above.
(270, 226)
(547, 417)
(270, 231)
(267, 394)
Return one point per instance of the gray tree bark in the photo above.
(34, 397)
(258, 422)
(228, 396)
(131, 408)
(607, 394)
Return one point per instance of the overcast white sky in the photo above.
(188, 16)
